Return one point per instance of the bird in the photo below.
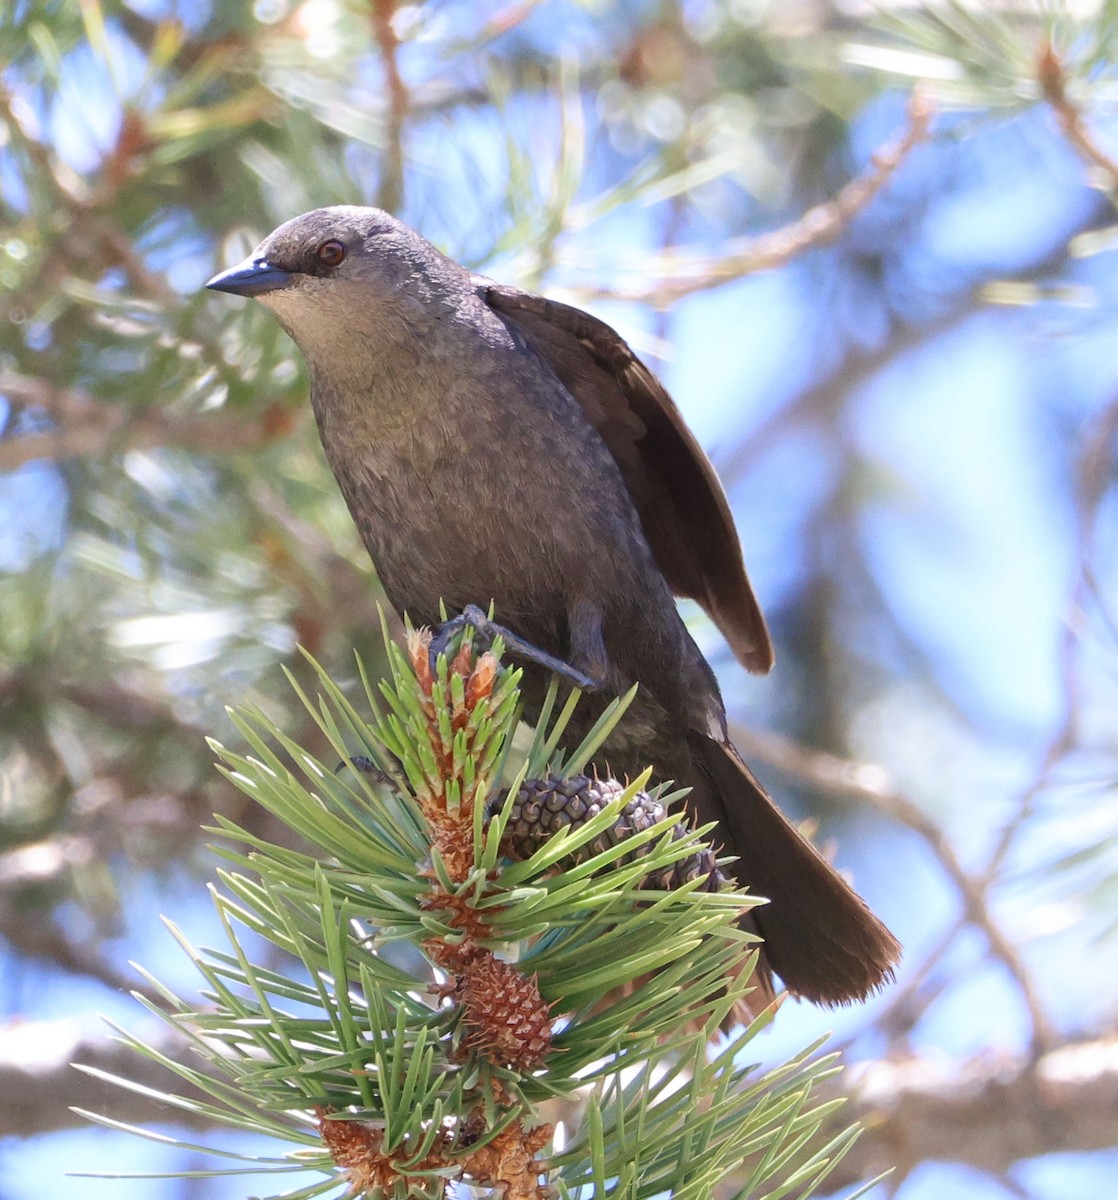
(496, 447)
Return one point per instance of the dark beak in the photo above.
(250, 278)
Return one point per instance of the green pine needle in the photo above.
(354, 1017)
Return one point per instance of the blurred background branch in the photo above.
(915, 1111)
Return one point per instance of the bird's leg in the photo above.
(378, 774)
(479, 621)
(364, 764)
(587, 644)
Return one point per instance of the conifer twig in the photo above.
(871, 785)
(88, 428)
(597, 966)
(1053, 83)
(391, 191)
(681, 275)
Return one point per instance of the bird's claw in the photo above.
(366, 765)
(488, 629)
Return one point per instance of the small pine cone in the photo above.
(507, 1019)
(542, 807)
(702, 862)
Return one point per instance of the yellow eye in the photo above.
(331, 253)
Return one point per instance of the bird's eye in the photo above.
(331, 253)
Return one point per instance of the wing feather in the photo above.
(682, 506)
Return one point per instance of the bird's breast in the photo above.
(447, 518)
(494, 487)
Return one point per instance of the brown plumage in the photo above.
(493, 445)
(682, 507)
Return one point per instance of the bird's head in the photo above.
(348, 273)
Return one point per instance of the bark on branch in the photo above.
(678, 273)
(989, 1113)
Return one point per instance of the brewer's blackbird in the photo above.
(496, 446)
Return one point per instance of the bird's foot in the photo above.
(364, 764)
(482, 624)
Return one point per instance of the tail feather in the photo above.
(820, 936)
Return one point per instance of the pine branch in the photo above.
(987, 1113)
(391, 191)
(870, 784)
(438, 995)
(86, 428)
(681, 274)
(1053, 82)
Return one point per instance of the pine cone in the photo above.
(508, 1021)
(542, 807)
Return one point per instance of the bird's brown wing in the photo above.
(682, 506)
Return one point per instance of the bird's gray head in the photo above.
(349, 275)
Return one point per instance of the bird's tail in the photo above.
(820, 936)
